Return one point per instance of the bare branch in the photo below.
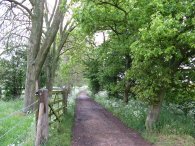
(50, 37)
(53, 11)
(32, 2)
(13, 47)
(46, 15)
(114, 5)
(21, 5)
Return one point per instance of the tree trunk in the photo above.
(34, 47)
(126, 92)
(53, 56)
(36, 55)
(127, 81)
(49, 76)
(29, 87)
(154, 112)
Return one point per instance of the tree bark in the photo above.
(34, 46)
(126, 93)
(127, 81)
(36, 54)
(50, 37)
(50, 72)
(53, 56)
(154, 112)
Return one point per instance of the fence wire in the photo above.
(15, 126)
(19, 137)
(12, 114)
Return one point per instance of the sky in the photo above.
(99, 37)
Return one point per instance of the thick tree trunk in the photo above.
(37, 55)
(34, 46)
(154, 112)
(29, 87)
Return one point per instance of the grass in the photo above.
(172, 129)
(61, 133)
(14, 125)
(18, 129)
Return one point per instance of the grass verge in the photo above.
(60, 134)
(16, 128)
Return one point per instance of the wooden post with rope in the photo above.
(42, 123)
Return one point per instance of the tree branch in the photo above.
(114, 5)
(53, 12)
(21, 5)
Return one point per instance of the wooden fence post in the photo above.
(42, 123)
(65, 96)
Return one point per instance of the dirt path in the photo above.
(94, 126)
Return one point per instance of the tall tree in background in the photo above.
(58, 48)
(40, 39)
(113, 17)
(13, 74)
(164, 55)
(37, 52)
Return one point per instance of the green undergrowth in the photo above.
(172, 129)
(16, 128)
(60, 134)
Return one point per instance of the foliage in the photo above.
(116, 18)
(13, 73)
(162, 53)
(70, 70)
(91, 74)
(20, 127)
(61, 133)
(173, 122)
(158, 37)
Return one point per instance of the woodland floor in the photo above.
(95, 126)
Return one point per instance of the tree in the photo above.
(112, 17)
(40, 40)
(162, 53)
(71, 68)
(159, 44)
(37, 53)
(14, 73)
(57, 49)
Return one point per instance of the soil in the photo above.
(95, 126)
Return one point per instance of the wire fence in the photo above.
(20, 110)
(19, 139)
(16, 131)
(15, 125)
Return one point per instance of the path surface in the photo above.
(94, 126)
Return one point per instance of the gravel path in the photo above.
(95, 126)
